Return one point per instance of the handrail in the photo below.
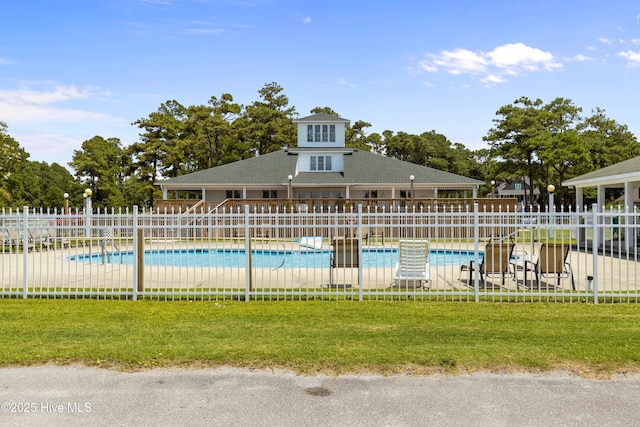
(194, 207)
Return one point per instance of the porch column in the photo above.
(629, 235)
(165, 194)
(474, 193)
(600, 204)
(579, 199)
(601, 201)
(244, 192)
(204, 194)
(628, 195)
(347, 193)
(435, 192)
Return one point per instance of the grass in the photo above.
(336, 337)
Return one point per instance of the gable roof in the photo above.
(321, 117)
(360, 167)
(627, 170)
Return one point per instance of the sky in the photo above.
(71, 70)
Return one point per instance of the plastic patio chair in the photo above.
(412, 268)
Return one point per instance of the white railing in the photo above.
(300, 255)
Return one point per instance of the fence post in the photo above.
(140, 257)
(476, 261)
(247, 247)
(360, 251)
(136, 267)
(25, 251)
(594, 250)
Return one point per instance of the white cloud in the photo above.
(204, 30)
(605, 41)
(345, 82)
(49, 147)
(518, 56)
(33, 105)
(57, 94)
(5, 61)
(492, 80)
(632, 57)
(22, 113)
(306, 20)
(460, 61)
(580, 58)
(491, 67)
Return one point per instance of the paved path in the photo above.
(76, 396)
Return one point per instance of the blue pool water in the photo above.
(371, 258)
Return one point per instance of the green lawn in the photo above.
(333, 337)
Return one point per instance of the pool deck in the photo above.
(52, 269)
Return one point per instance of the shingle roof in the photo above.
(367, 167)
(321, 117)
(268, 168)
(630, 166)
(360, 167)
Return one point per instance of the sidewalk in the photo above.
(57, 396)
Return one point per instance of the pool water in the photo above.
(371, 258)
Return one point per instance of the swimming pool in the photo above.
(267, 258)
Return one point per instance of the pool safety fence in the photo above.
(590, 255)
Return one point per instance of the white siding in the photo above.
(304, 161)
(340, 135)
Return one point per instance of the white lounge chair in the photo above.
(412, 268)
(311, 242)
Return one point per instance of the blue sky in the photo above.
(70, 70)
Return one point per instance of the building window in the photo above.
(405, 194)
(321, 133)
(370, 194)
(325, 194)
(234, 194)
(270, 194)
(337, 194)
(518, 186)
(302, 194)
(320, 163)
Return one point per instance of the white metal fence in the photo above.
(473, 256)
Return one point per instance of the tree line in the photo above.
(544, 143)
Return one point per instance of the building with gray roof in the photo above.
(625, 174)
(320, 167)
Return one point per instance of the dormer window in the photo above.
(320, 163)
(321, 133)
